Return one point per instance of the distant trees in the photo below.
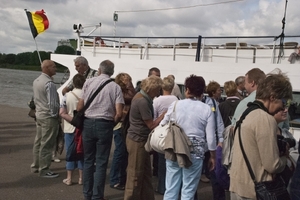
(65, 49)
(31, 58)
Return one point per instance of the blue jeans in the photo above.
(97, 138)
(294, 186)
(71, 165)
(119, 162)
(189, 177)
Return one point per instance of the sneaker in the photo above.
(50, 175)
(33, 170)
(118, 186)
(204, 179)
(55, 160)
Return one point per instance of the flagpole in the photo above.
(37, 50)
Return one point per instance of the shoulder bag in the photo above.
(158, 135)
(78, 116)
(266, 190)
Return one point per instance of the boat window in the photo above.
(294, 110)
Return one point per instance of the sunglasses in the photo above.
(285, 103)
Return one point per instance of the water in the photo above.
(16, 86)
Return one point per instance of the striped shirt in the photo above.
(89, 73)
(53, 99)
(104, 104)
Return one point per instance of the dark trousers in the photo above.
(161, 187)
(97, 138)
(218, 191)
(295, 183)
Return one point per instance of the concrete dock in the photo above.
(17, 132)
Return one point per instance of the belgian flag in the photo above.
(38, 22)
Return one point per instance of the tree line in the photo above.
(29, 59)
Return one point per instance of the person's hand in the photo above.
(211, 163)
(287, 151)
(220, 144)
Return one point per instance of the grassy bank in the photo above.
(28, 67)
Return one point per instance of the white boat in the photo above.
(220, 58)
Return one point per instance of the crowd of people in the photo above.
(126, 115)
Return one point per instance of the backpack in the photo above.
(230, 130)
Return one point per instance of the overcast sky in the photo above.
(242, 18)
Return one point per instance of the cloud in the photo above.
(243, 18)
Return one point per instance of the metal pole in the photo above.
(38, 52)
(198, 48)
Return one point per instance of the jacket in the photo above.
(178, 147)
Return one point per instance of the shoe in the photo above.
(50, 175)
(67, 181)
(161, 193)
(118, 186)
(204, 179)
(55, 160)
(80, 181)
(34, 170)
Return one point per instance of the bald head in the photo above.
(49, 67)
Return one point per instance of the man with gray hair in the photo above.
(104, 112)
(82, 66)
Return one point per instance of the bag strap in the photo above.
(216, 122)
(88, 103)
(75, 95)
(246, 158)
(173, 114)
(251, 106)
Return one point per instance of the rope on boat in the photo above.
(281, 36)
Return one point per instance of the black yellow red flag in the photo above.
(38, 22)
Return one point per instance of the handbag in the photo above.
(158, 135)
(157, 141)
(266, 190)
(78, 141)
(75, 150)
(78, 116)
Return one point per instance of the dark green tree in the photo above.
(64, 49)
(23, 58)
(10, 58)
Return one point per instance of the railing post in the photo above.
(198, 49)
(94, 46)
(236, 50)
(119, 47)
(203, 51)
(174, 49)
(273, 52)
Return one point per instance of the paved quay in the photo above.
(17, 132)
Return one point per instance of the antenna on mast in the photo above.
(78, 28)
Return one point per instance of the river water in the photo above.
(16, 86)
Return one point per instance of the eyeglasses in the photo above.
(285, 103)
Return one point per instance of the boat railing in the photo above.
(258, 49)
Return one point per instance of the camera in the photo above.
(282, 141)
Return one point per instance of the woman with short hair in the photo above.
(197, 121)
(68, 105)
(139, 182)
(161, 105)
(259, 138)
